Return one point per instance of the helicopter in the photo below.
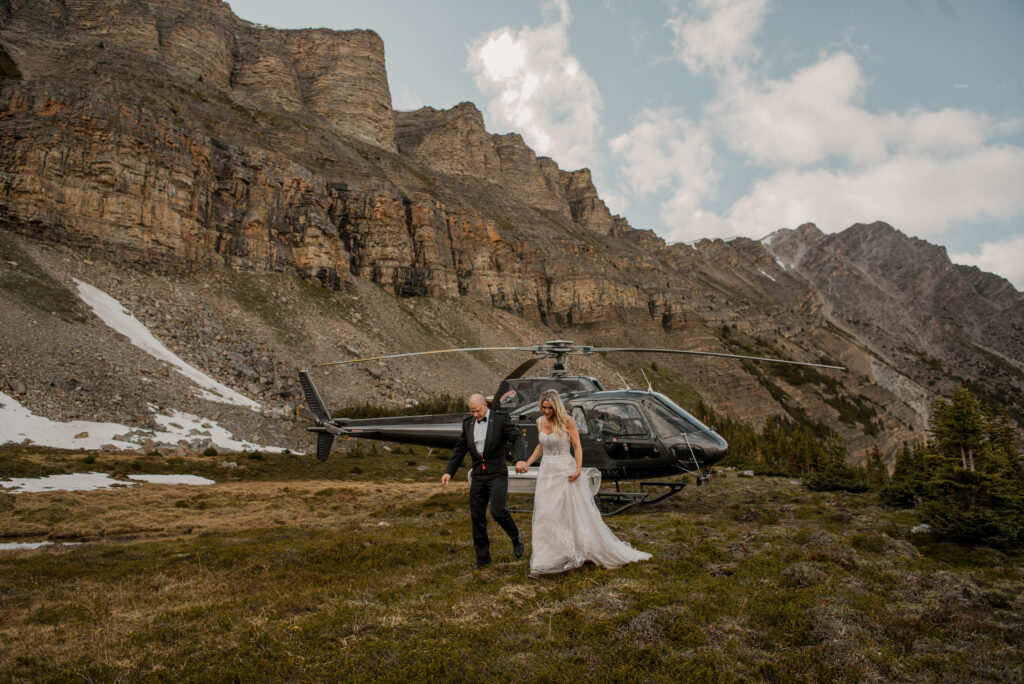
(626, 434)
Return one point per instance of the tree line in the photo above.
(966, 481)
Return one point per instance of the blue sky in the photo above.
(718, 118)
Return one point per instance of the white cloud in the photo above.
(617, 203)
(539, 89)
(919, 194)
(687, 222)
(1005, 257)
(718, 35)
(817, 116)
(801, 121)
(665, 149)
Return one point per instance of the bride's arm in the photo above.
(537, 453)
(574, 435)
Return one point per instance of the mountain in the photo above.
(902, 298)
(251, 196)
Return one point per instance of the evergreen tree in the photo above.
(959, 426)
(876, 472)
(968, 482)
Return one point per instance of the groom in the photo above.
(484, 435)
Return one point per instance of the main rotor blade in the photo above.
(424, 353)
(603, 350)
(523, 367)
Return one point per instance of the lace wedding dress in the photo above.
(567, 527)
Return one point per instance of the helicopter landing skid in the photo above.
(613, 503)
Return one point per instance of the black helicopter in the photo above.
(626, 434)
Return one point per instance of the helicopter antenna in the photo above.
(649, 388)
(623, 380)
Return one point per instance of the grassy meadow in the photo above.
(361, 569)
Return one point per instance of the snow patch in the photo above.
(110, 311)
(87, 482)
(21, 426)
(73, 482)
(19, 546)
(766, 275)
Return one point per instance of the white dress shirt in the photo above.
(480, 432)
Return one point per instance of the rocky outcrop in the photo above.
(449, 141)
(334, 77)
(455, 142)
(586, 206)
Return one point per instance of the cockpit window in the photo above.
(667, 423)
(580, 419)
(619, 420)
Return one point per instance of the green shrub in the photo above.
(837, 478)
(901, 493)
(974, 508)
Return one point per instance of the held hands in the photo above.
(522, 467)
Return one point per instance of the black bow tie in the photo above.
(482, 420)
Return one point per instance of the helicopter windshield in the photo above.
(669, 420)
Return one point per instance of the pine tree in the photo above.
(968, 480)
(959, 426)
(876, 472)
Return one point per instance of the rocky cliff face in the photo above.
(937, 322)
(173, 135)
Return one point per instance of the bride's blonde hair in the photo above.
(560, 419)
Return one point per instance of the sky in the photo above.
(723, 118)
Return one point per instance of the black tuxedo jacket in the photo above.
(500, 430)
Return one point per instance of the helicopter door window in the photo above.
(626, 437)
(580, 419)
(619, 420)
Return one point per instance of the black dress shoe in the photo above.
(482, 564)
(518, 546)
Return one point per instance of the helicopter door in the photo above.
(623, 431)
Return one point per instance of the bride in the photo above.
(567, 527)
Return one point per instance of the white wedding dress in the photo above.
(567, 527)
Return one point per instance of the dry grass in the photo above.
(285, 573)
